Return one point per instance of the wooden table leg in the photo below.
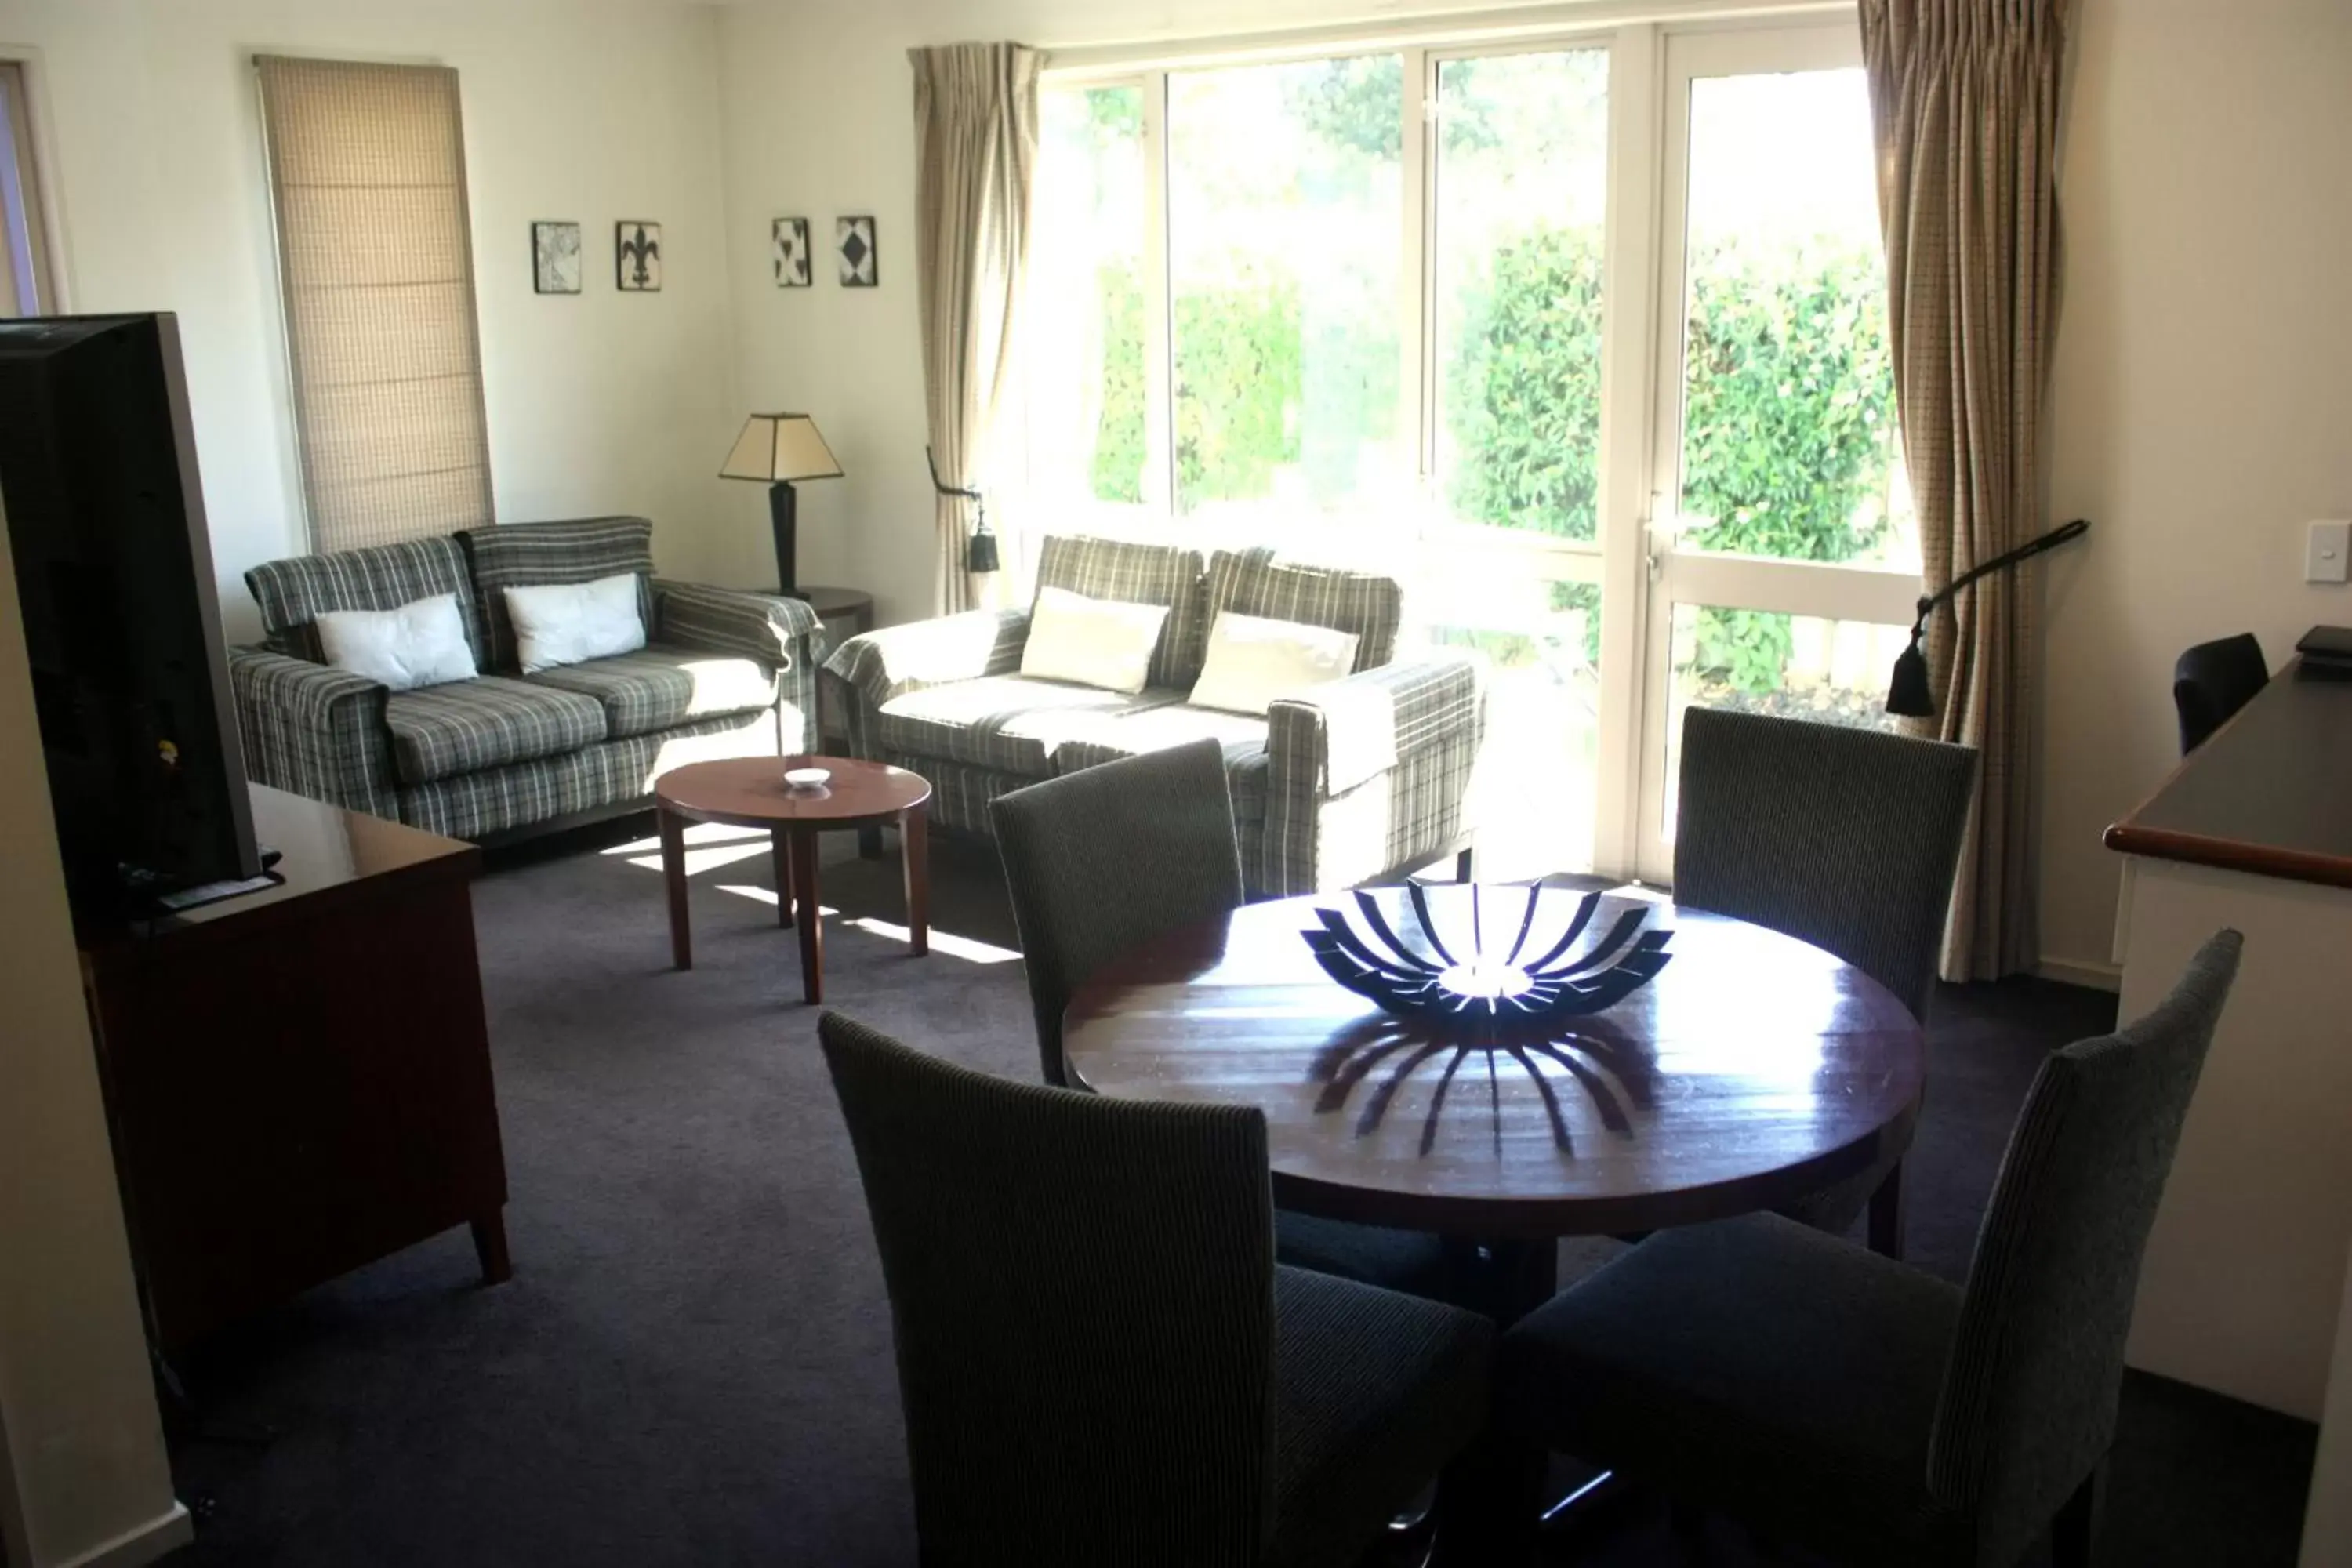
(1886, 1215)
(780, 848)
(490, 1247)
(673, 855)
(812, 928)
(915, 850)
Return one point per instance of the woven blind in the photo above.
(367, 172)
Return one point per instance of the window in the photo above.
(1584, 338)
(24, 254)
(367, 176)
(1284, 201)
(1088, 341)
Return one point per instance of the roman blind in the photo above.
(367, 176)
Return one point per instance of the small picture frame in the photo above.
(853, 240)
(637, 257)
(788, 251)
(555, 257)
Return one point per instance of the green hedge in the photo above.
(1788, 388)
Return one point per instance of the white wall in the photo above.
(2203, 411)
(81, 1454)
(598, 402)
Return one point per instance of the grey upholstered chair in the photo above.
(1844, 839)
(1846, 1402)
(1100, 861)
(1100, 1360)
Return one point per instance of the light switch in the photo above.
(2325, 558)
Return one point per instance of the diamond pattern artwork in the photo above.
(788, 248)
(853, 239)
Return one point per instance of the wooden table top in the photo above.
(2269, 793)
(1753, 1070)
(750, 792)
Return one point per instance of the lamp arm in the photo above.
(1907, 693)
(2057, 536)
(946, 488)
(980, 553)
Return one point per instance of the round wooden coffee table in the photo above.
(750, 792)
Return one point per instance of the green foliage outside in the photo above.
(1523, 391)
(1788, 384)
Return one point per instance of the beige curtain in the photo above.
(976, 162)
(1964, 95)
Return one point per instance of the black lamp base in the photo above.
(781, 504)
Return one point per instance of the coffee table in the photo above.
(750, 792)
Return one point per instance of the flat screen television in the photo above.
(114, 571)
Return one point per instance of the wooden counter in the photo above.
(2270, 793)
(2243, 1281)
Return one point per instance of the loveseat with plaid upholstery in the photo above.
(1364, 777)
(722, 674)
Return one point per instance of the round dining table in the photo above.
(1753, 1070)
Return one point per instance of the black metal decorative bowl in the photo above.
(1504, 993)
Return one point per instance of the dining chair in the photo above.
(1100, 861)
(1839, 1401)
(1100, 1360)
(2211, 682)
(1842, 837)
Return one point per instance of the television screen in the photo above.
(114, 573)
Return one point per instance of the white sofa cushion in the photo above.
(423, 643)
(1253, 660)
(1103, 643)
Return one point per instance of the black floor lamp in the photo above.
(779, 448)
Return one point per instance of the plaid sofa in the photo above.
(722, 674)
(1364, 777)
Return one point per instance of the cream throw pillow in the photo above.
(1253, 660)
(570, 623)
(1093, 642)
(422, 643)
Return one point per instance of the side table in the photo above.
(750, 792)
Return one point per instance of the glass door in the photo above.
(1515, 253)
(1782, 554)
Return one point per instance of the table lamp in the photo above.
(779, 448)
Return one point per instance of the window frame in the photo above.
(28, 276)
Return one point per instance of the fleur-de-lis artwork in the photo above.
(637, 257)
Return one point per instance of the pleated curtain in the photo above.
(1964, 101)
(976, 162)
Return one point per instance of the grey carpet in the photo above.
(692, 1365)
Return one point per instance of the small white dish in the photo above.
(807, 778)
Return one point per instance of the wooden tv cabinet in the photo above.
(298, 1080)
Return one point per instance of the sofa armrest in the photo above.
(1369, 774)
(1351, 729)
(879, 666)
(314, 730)
(765, 626)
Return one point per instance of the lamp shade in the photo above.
(779, 446)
